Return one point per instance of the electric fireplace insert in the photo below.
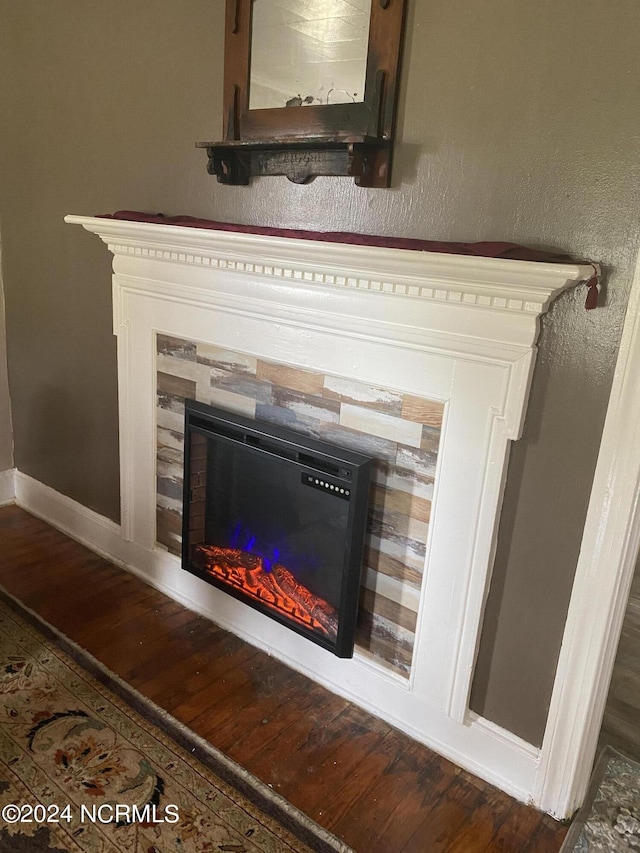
(276, 520)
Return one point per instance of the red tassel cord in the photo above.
(593, 292)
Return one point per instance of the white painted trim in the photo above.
(494, 283)
(601, 588)
(7, 486)
(457, 329)
(98, 533)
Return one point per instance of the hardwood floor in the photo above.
(369, 784)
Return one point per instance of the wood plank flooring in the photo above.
(366, 782)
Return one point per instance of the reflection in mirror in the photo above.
(308, 52)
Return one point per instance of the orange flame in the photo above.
(276, 589)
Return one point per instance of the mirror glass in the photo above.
(308, 52)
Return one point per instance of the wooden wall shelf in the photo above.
(366, 159)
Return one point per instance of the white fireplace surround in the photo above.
(456, 329)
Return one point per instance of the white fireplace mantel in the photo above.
(454, 329)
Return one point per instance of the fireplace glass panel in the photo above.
(276, 520)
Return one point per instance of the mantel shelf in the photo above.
(364, 158)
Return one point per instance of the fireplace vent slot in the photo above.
(321, 465)
(262, 443)
(222, 429)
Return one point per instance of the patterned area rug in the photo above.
(609, 821)
(88, 765)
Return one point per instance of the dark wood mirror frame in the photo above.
(354, 139)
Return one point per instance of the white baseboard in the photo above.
(479, 746)
(98, 533)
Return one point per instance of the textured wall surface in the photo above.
(518, 121)
(6, 432)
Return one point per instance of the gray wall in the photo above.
(518, 121)
(6, 433)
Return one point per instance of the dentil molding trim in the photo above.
(494, 283)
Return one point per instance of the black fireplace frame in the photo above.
(334, 464)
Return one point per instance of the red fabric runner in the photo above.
(508, 251)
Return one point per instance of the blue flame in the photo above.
(243, 540)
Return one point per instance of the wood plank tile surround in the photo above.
(401, 431)
(372, 786)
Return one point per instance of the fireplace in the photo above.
(420, 360)
(276, 520)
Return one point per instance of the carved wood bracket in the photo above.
(366, 160)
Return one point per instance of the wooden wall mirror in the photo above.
(310, 88)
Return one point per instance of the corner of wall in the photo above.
(6, 425)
